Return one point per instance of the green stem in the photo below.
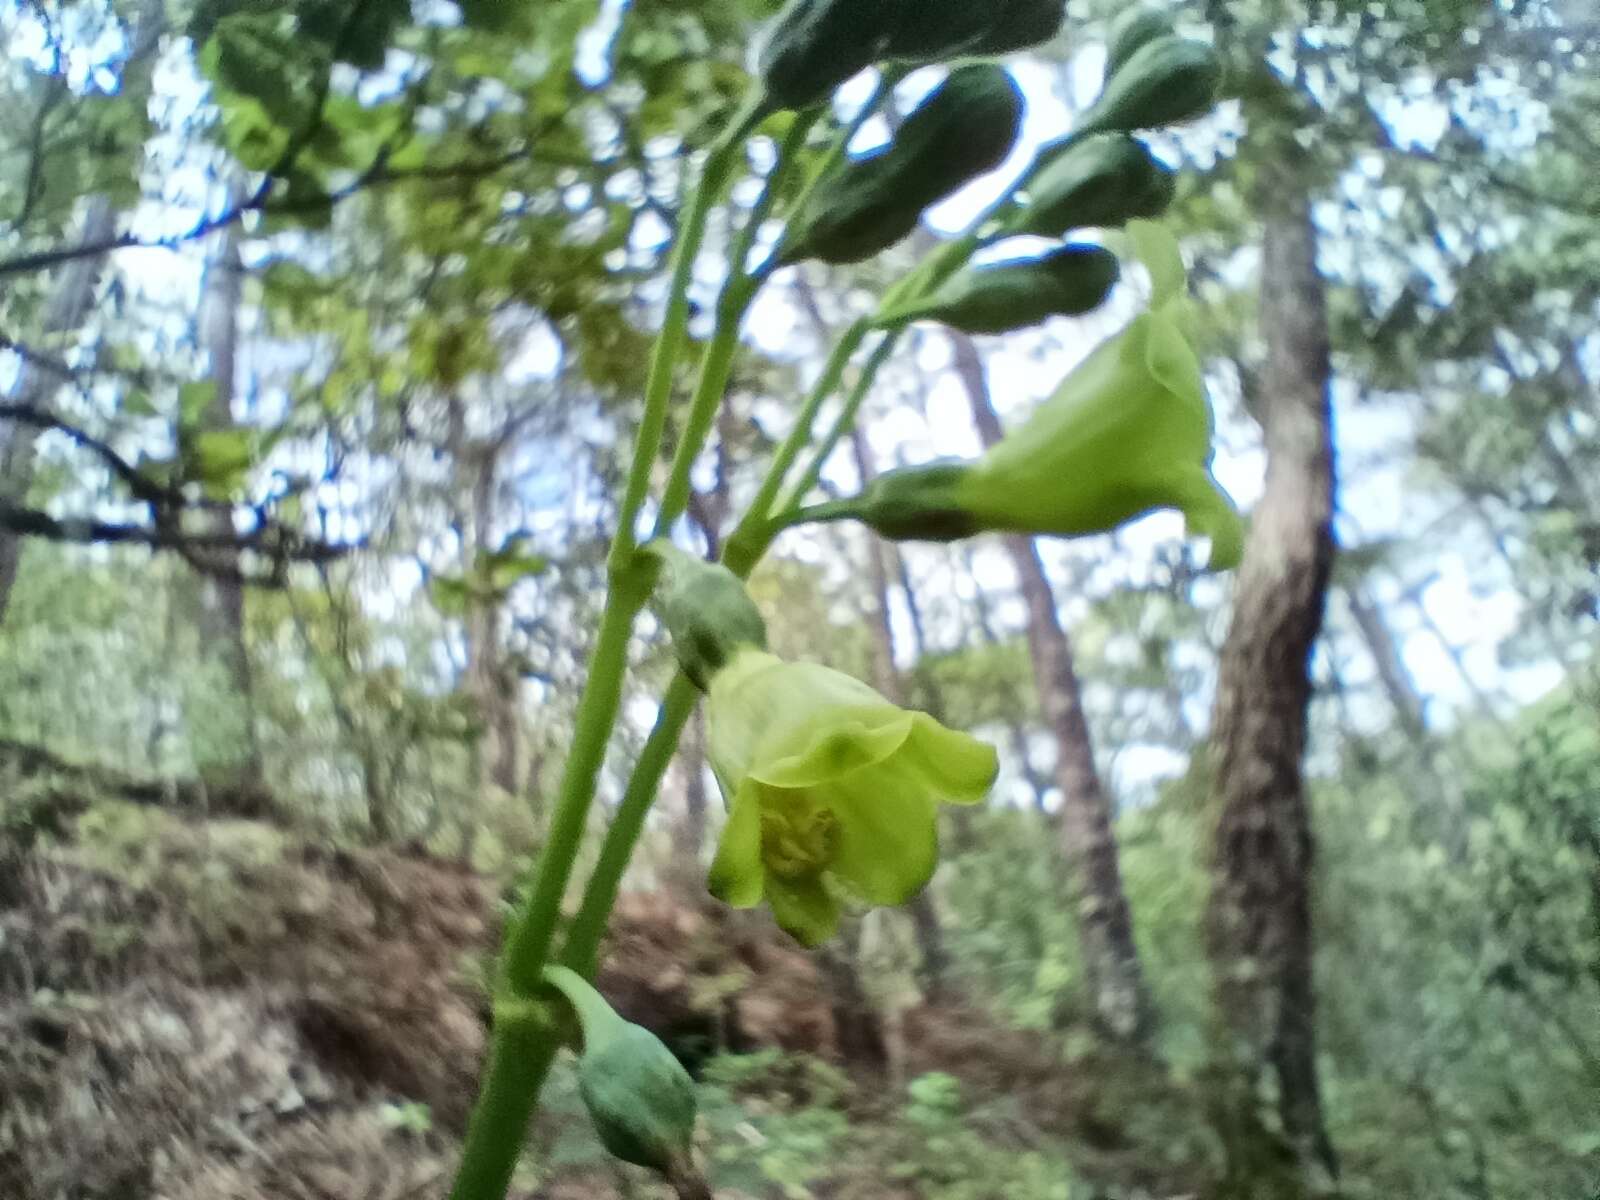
(845, 419)
(784, 460)
(520, 1054)
(519, 1059)
(674, 329)
(588, 928)
(737, 293)
(528, 940)
(816, 514)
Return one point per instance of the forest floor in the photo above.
(202, 1006)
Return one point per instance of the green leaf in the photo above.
(219, 459)
(194, 400)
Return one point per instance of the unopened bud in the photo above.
(706, 611)
(638, 1095)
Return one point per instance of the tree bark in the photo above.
(1259, 934)
(1116, 990)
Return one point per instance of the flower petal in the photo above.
(1209, 513)
(804, 909)
(761, 709)
(888, 837)
(737, 876)
(837, 742)
(1154, 246)
(959, 768)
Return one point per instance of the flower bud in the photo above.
(705, 609)
(1004, 296)
(965, 126)
(640, 1099)
(933, 30)
(813, 46)
(1102, 181)
(1132, 30)
(1164, 82)
(638, 1095)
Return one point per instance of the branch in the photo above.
(376, 175)
(210, 552)
(142, 486)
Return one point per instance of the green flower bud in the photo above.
(1128, 432)
(813, 46)
(638, 1095)
(1132, 30)
(920, 503)
(705, 609)
(1003, 296)
(964, 128)
(934, 30)
(1106, 181)
(1164, 82)
(832, 791)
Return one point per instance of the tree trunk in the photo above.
(1259, 933)
(222, 599)
(69, 304)
(887, 679)
(689, 831)
(1397, 683)
(1114, 981)
(65, 313)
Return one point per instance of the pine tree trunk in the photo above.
(1116, 990)
(1259, 932)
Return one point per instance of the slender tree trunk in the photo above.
(65, 313)
(68, 306)
(887, 678)
(689, 831)
(1397, 683)
(1259, 934)
(1116, 990)
(222, 599)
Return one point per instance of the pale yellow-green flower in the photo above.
(833, 791)
(1128, 432)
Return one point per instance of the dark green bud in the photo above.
(1164, 82)
(1102, 181)
(705, 609)
(1021, 24)
(916, 504)
(1133, 29)
(813, 46)
(639, 1097)
(934, 30)
(966, 127)
(1004, 296)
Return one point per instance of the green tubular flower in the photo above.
(833, 791)
(1128, 432)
